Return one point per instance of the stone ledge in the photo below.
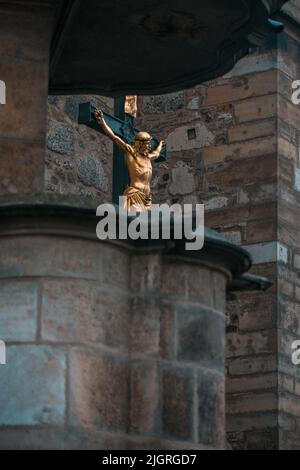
(47, 216)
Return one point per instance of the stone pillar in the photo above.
(25, 35)
(109, 346)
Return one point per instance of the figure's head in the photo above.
(142, 143)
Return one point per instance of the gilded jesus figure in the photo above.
(139, 161)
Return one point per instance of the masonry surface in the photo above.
(233, 143)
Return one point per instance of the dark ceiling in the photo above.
(119, 47)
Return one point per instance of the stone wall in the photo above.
(222, 150)
(78, 160)
(288, 229)
(113, 349)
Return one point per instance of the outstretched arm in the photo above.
(154, 155)
(109, 132)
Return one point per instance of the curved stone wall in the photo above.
(108, 346)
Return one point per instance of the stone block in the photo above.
(113, 265)
(167, 331)
(256, 108)
(72, 106)
(61, 139)
(77, 311)
(163, 103)
(99, 391)
(24, 118)
(33, 386)
(144, 321)
(252, 365)
(242, 87)
(252, 130)
(201, 337)
(49, 256)
(18, 311)
(251, 343)
(252, 402)
(15, 154)
(187, 282)
(250, 383)
(144, 398)
(237, 423)
(146, 273)
(211, 409)
(91, 172)
(44, 438)
(177, 403)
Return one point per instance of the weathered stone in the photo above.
(99, 386)
(247, 344)
(201, 337)
(211, 409)
(185, 281)
(52, 256)
(177, 403)
(183, 181)
(77, 311)
(146, 273)
(163, 103)
(144, 398)
(72, 106)
(49, 438)
(145, 326)
(61, 139)
(18, 311)
(252, 402)
(216, 203)
(34, 391)
(167, 331)
(194, 136)
(252, 365)
(53, 100)
(91, 173)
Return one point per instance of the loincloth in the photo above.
(136, 200)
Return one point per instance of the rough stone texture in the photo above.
(78, 311)
(211, 408)
(24, 69)
(233, 144)
(99, 394)
(33, 390)
(177, 403)
(249, 162)
(109, 354)
(78, 159)
(61, 140)
(163, 103)
(18, 311)
(91, 173)
(288, 282)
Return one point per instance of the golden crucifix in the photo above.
(139, 157)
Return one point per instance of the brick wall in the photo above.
(288, 229)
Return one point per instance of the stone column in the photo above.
(25, 35)
(109, 345)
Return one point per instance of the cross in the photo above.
(123, 126)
